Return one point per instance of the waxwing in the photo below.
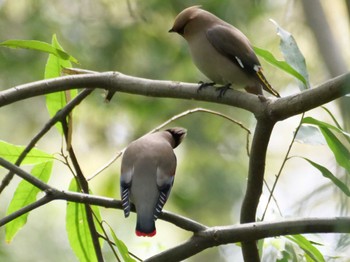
(220, 51)
(147, 176)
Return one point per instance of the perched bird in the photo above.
(147, 176)
(220, 51)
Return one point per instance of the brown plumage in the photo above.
(220, 51)
(147, 175)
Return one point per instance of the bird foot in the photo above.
(223, 89)
(203, 85)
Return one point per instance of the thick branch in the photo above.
(204, 237)
(292, 105)
(267, 111)
(118, 82)
(216, 236)
(279, 109)
(55, 194)
(255, 182)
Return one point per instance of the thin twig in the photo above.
(177, 220)
(85, 188)
(38, 203)
(172, 119)
(58, 117)
(207, 236)
(286, 157)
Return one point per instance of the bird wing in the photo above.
(125, 185)
(165, 182)
(233, 44)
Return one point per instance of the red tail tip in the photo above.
(142, 234)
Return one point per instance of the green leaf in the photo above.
(122, 248)
(24, 195)
(289, 253)
(328, 174)
(313, 121)
(39, 46)
(308, 247)
(283, 65)
(77, 227)
(292, 54)
(56, 101)
(310, 135)
(341, 153)
(11, 152)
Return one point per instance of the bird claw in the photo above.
(203, 85)
(223, 89)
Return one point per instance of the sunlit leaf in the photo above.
(289, 253)
(56, 101)
(261, 246)
(310, 135)
(24, 195)
(328, 174)
(341, 153)
(313, 121)
(11, 152)
(283, 65)
(308, 247)
(77, 227)
(292, 54)
(122, 248)
(39, 46)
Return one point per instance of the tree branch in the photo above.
(255, 182)
(267, 111)
(278, 109)
(62, 114)
(118, 82)
(204, 237)
(55, 194)
(309, 99)
(84, 186)
(249, 232)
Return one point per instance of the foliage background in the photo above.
(131, 37)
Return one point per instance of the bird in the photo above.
(221, 51)
(147, 175)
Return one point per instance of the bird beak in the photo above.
(171, 30)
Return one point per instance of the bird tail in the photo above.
(266, 85)
(145, 227)
(145, 231)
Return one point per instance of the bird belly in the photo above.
(215, 66)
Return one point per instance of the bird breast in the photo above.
(214, 65)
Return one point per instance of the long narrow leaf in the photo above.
(122, 248)
(11, 152)
(309, 134)
(292, 54)
(346, 135)
(328, 174)
(313, 121)
(39, 46)
(78, 231)
(308, 247)
(341, 153)
(24, 195)
(283, 65)
(56, 101)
